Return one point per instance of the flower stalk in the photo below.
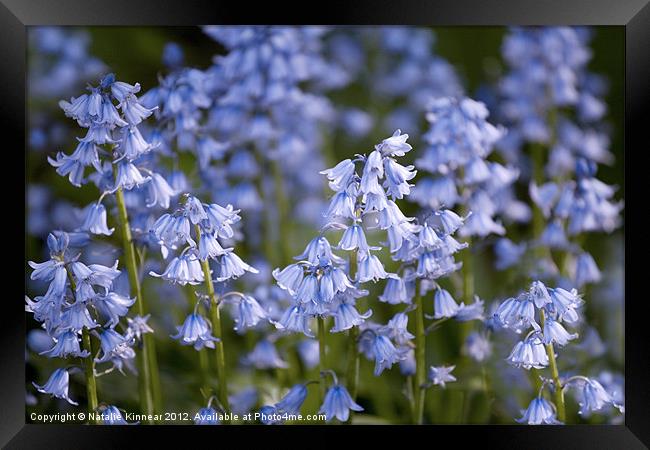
(420, 358)
(146, 356)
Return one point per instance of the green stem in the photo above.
(146, 356)
(215, 318)
(89, 362)
(322, 354)
(353, 352)
(420, 358)
(559, 393)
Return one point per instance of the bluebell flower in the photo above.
(243, 401)
(444, 304)
(128, 176)
(396, 329)
(292, 401)
(473, 311)
(172, 230)
(508, 253)
(250, 313)
(76, 317)
(517, 314)
(308, 352)
(207, 416)
(554, 332)
(67, 344)
(340, 175)
(586, 270)
(111, 415)
(185, 269)
(354, 238)
(407, 366)
(137, 326)
(477, 346)
(529, 353)
(265, 356)
(592, 396)
(160, 192)
(395, 291)
(385, 353)
(231, 266)
(295, 319)
(116, 349)
(539, 412)
(290, 278)
(370, 268)
(565, 303)
(95, 220)
(346, 316)
(441, 375)
(269, 415)
(195, 331)
(209, 247)
(338, 404)
(112, 306)
(57, 385)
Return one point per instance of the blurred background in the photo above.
(134, 55)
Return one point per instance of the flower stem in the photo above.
(322, 354)
(89, 370)
(420, 358)
(89, 362)
(147, 356)
(215, 318)
(353, 352)
(559, 393)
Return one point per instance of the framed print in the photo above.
(379, 216)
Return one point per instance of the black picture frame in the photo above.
(634, 15)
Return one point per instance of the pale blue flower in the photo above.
(95, 220)
(346, 316)
(116, 349)
(554, 332)
(231, 266)
(444, 304)
(370, 268)
(395, 291)
(292, 401)
(309, 352)
(111, 415)
(290, 278)
(57, 386)
(384, 353)
(250, 313)
(477, 346)
(540, 411)
(295, 319)
(207, 416)
(529, 353)
(592, 396)
(441, 375)
(112, 306)
(338, 404)
(195, 331)
(586, 270)
(185, 269)
(265, 356)
(67, 344)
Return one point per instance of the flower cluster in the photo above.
(460, 139)
(541, 312)
(81, 300)
(197, 228)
